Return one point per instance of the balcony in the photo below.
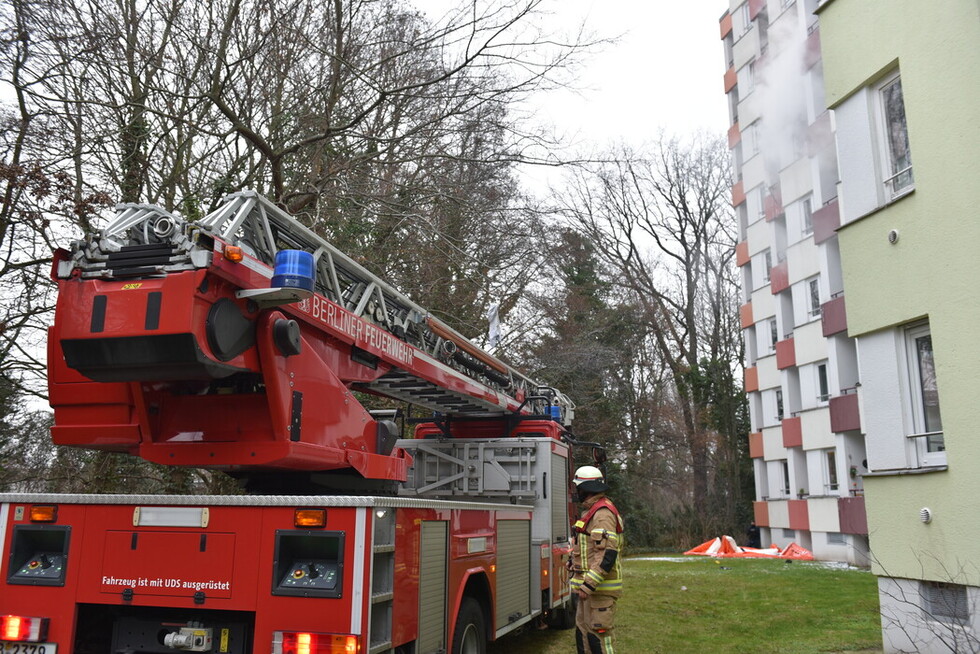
(785, 353)
(792, 432)
(772, 206)
(755, 6)
(833, 316)
(751, 379)
(756, 449)
(819, 135)
(844, 412)
(779, 277)
(730, 79)
(734, 134)
(742, 254)
(812, 55)
(853, 517)
(725, 24)
(745, 315)
(761, 512)
(738, 196)
(826, 220)
(799, 515)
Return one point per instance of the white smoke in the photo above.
(781, 85)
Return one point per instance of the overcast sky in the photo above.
(665, 71)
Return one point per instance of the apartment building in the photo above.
(901, 78)
(801, 369)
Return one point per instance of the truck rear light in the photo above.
(303, 642)
(44, 513)
(23, 629)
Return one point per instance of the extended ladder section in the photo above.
(181, 323)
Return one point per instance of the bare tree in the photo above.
(391, 133)
(663, 227)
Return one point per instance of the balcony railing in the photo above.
(792, 432)
(785, 354)
(779, 277)
(844, 412)
(852, 515)
(826, 220)
(834, 316)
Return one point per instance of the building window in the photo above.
(779, 405)
(767, 271)
(944, 602)
(789, 533)
(896, 156)
(813, 296)
(807, 216)
(832, 484)
(773, 334)
(785, 465)
(744, 22)
(750, 140)
(836, 538)
(823, 389)
(927, 423)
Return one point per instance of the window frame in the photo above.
(813, 310)
(745, 22)
(823, 384)
(888, 174)
(929, 445)
(806, 211)
(830, 462)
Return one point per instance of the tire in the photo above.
(563, 617)
(470, 633)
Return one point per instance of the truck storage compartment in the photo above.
(103, 629)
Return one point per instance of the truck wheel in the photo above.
(563, 617)
(470, 634)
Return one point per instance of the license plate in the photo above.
(28, 648)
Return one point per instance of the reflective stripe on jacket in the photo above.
(600, 531)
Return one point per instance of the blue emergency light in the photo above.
(294, 269)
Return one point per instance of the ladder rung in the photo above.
(378, 598)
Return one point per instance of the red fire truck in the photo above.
(237, 343)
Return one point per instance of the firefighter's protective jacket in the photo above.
(596, 564)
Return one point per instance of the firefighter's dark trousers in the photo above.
(594, 624)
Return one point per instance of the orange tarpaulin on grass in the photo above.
(726, 547)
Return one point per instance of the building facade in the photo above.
(901, 78)
(801, 369)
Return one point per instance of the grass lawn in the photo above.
(682, 605)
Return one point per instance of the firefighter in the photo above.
(596, 571)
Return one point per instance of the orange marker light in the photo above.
(351, 647)
(44, 513)
(233, 253)
(310, 518)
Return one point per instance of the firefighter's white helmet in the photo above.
(589, 479)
